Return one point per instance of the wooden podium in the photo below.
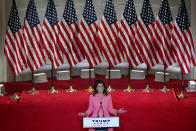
(101, 123)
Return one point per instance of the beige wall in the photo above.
(5, 5)
(193, 26)
(3, 73)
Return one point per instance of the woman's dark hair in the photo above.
(95, 86)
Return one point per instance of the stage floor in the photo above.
(155, 111)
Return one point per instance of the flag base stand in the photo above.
(90, 89)
(71, 89)
(148, 89)
(110, 89)
(129, 89)
(164, 89)
(33, 91)
(15, 96)
(182, 95)
(52, 90)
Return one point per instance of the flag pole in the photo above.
(70, 88)
(182, 94)
(33, 90)
(129, 89)
(109, 89)
(90, 89)
(148, 89)
(164, 89)
(52, 90)
(15, 96)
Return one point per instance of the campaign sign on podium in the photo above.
(99, 122)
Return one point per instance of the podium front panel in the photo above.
(96, 122)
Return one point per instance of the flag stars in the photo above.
(51, 13)
(182, 17)
(31, 15)
(89, 12)
(109, 12)
(130, 13)
(69, 12)
(14, 22)
(146, 13)
(164, 12)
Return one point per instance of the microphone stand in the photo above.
(101, 128)
(100, 107)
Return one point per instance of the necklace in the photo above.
(100, 96)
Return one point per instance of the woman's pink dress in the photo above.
(94, 105)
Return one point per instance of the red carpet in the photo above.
(154, 111)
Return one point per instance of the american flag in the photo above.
(128, 26)
(50, 32)
(68, 35)
(32, 38)
(14, 49)
(108, 35)
(144, 36)
(163, 30)
(182, 40)
(87, 35)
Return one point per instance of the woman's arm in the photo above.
(111, 109)
(90, 107)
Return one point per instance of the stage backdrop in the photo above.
(5, 5)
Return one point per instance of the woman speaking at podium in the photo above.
(100, 103)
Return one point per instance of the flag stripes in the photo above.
(183, 49)
(67, 41)
(31, 37)
(136, 40)
(163, 34)
(107, 37)
(50, 31)
(14, 49)
(68, 35)
(163, 30)
(128, 26)
(50, 35)
(143, 39)
(87, 35)
(182, 42)
(126, 38)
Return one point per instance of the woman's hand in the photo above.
(82, 114)
(122, 110)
